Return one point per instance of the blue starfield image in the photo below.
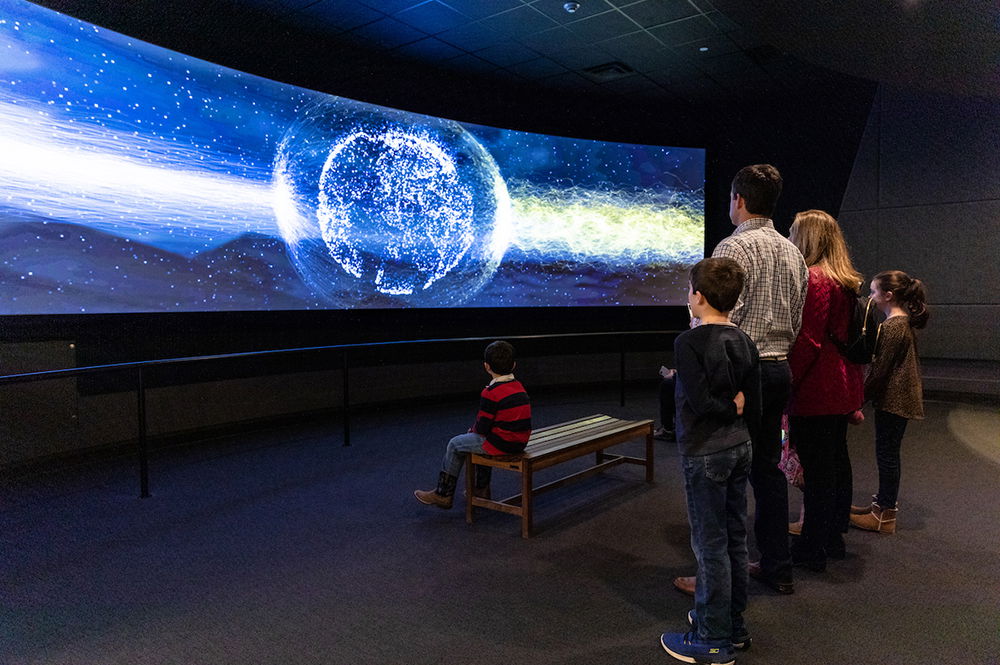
(136, 179)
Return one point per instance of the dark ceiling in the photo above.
(695, 51)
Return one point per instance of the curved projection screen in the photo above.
(135, 179)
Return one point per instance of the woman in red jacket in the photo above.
(826, 389)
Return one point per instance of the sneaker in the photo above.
(664, 434)
(689, 648)
(741, 636)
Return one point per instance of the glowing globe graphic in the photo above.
(383, 208)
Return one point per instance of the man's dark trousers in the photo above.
(770, 488)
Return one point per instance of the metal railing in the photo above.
(141, 368)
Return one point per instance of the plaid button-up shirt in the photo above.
(770, 308)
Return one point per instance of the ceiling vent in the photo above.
(609, 71)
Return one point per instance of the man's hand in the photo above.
(666, 372)
(740, 401)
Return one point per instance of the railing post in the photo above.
(143, 452)
(621, 370)
(347, 404)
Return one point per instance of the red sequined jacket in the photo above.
(823, 381)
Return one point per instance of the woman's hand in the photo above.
(740, 401)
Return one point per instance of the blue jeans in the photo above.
(889, 429)
(458, 448)
(716, 489)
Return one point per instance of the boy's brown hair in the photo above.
(720, 280)
(499, 355)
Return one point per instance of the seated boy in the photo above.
(718, 405)
(502, 427)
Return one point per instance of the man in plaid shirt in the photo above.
(769, 311)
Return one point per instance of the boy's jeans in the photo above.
(715, 486)
(458, 448)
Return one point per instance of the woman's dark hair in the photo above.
(720, 280)
(760, 186)
(908, 291)
(499, 356)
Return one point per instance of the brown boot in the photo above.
(795, 528)
(880, 520)
(443, 496)
(863, 510)
(686, 584)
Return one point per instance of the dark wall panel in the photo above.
(923, 199)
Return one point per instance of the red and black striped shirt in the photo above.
(504, 418)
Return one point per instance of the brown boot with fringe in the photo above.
(443, 496)
(880, 520)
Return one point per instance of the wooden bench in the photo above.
(552, 445)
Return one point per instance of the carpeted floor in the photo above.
(286, 547)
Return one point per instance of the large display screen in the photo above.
(136, 179)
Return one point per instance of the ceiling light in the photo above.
(703, 48)
(571, 7)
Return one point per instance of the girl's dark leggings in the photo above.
(889, 429)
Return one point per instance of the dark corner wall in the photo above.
(924, 197)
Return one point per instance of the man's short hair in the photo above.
(760, 187)
(499, 356)
(720, 280)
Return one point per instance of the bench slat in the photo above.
(562, 429)
(547, 447)
(582, 432)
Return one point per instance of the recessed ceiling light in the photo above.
(702, 48)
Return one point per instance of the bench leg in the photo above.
(649, 457)
(526, 497)
(470, 473)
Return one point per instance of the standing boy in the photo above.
(770, 312)
(502, 427)
(718, 409)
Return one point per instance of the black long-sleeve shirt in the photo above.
(714, 362)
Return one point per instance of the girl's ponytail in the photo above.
(914, 296)
(909, 292)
